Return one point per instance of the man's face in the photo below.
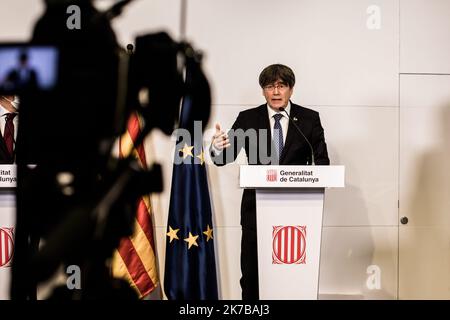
(277, 94)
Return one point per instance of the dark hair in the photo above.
(276, 72)
(23, 57)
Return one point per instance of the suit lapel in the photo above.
(292, 132)
(264, 118)
(265, 125)
(3, 150)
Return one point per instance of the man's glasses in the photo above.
(279, 86)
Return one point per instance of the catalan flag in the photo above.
(190, 268)
(135, 259)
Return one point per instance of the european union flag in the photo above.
(190, 269)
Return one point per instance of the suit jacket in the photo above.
(296, 150)
(17, 83)
(5, 157)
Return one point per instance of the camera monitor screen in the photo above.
(24, 67)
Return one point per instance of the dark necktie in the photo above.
(278, 134)
(8, 135)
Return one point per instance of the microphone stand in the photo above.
(301, 132)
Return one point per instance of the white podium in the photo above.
(7, 225)
(289, 210)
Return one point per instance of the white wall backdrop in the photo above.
(378, 71)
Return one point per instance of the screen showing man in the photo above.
(26, 68)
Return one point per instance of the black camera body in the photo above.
(70, 190)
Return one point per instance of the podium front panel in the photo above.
(289, 227)
(7, 226)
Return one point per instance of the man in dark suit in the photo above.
(268, 137)
(22, 77)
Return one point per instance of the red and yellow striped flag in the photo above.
(135, 259)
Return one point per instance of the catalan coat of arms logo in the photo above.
(6, 246)
(289, 245)
(271, 175)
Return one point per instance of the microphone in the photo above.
(301, 132)
(130, 48)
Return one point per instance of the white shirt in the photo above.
(3, 113)
(284, 121)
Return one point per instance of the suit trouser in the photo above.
(249, 265)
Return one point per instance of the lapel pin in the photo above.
(295, 118)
